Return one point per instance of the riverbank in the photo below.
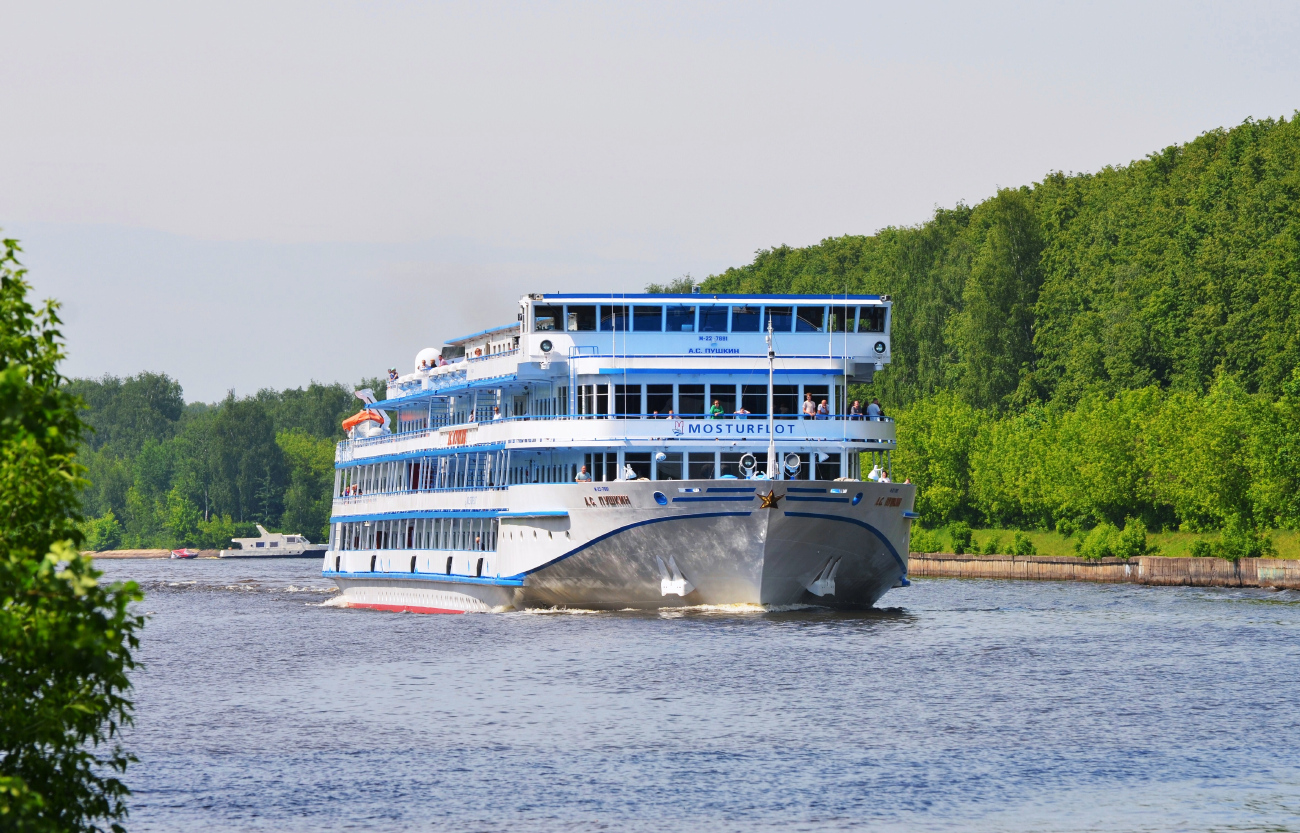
(1173, 544)
(145, 554)
(1156, 570)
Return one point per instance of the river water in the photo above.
(963, 705)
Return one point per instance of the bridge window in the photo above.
(669, 468)
(745, 319)
(701, 465)
(713, 319)
(546, 318)
(658, 399)
(785, 401)
(841, 319)
(681, 319)
(648, 319)
(810, 319)
(827, 469)
(613, 318)
(582, 319)
(690, 400)
(871, 319)
(627, 400)
(754, 399)
(725, 396)
(781, 319)
(639, 462)
(731, 464)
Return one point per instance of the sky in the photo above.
(247, 195)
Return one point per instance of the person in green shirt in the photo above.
(716, 411)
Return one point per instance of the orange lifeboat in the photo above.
(360, 417)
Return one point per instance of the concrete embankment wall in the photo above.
(1193, 572)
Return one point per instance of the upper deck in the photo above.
(617, 377)
(562, 335)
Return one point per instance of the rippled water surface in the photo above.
(966, 705)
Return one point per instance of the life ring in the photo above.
(360, 417)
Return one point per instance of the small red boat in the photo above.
(184, 553)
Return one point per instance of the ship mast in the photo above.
(771, 437)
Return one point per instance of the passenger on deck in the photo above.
(741, 413)
(873, 410)
(809, 407)
(884, 477)
(875, 473)
(392, 374)
(716, 411)
(496, 412)
(583, 476)
(855, 410)
(823, 412)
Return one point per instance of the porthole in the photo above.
(857, 498)
(413, 564)
(372, 562)
(661, 499)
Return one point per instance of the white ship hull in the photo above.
(638, 544)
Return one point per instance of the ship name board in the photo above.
(736, 427)
(609, 500)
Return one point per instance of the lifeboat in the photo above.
(361, 417)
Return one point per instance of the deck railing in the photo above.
(443, 421)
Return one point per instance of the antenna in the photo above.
(772, 467)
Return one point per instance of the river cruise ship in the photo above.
(628, 451)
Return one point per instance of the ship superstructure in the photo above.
(628, 451)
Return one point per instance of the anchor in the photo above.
(824, 584)
(671, 580)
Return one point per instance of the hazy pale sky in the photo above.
(261, 194)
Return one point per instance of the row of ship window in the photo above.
(492, 470)
(708, 318)
(463, 534)
(684, 400)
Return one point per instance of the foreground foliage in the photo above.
(65, 640)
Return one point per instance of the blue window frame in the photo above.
(782, 318)
(746, 319)
(713, 318)
(648, 319)
(680, 319)
(613, 318)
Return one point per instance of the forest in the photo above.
(164, 473)
(1092, 351)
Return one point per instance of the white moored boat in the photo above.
(612, 451)
(272, 545)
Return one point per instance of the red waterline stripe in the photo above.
(403, 608)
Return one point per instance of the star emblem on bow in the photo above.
(770, 500)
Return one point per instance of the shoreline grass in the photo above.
(1171, 544)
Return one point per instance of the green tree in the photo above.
(65, 639)
(309, 498)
